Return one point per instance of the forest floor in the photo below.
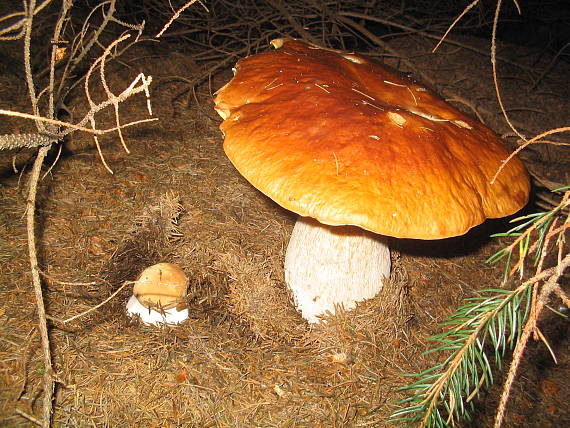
(245, 358)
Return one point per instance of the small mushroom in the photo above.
(159, 295)
(361, 153)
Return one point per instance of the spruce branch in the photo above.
(542, 224)
(493, 317)
(489, 324)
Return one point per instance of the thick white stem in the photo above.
(327, 266)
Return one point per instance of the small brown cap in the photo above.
(343, 139)
(163, 285)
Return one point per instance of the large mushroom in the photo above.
(361, 153)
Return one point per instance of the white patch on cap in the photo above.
(462, 124)
(353, 59)
(397, 118)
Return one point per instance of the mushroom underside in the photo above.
(330, 266)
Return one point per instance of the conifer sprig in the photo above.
(489, 324)
(494, 317)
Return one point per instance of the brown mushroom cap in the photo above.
(162, 285)
(342, 139)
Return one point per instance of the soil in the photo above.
(245, 358)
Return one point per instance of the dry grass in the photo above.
(245, 357)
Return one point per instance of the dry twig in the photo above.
(552, 277)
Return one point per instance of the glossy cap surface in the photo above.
(340, 138)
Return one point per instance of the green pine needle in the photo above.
(479, 332)
(488, 323)
(539, 222)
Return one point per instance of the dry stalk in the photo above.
(93, 308)
(495, 77)
(531, 327)
(536, 139)
(49, 382)
(66, 283)
(454, 23)
(28, 417)
(20, 25)
(177, 15)
(112, 99)
(12, 141)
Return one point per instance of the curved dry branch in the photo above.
(49, 382)
(547, 289)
